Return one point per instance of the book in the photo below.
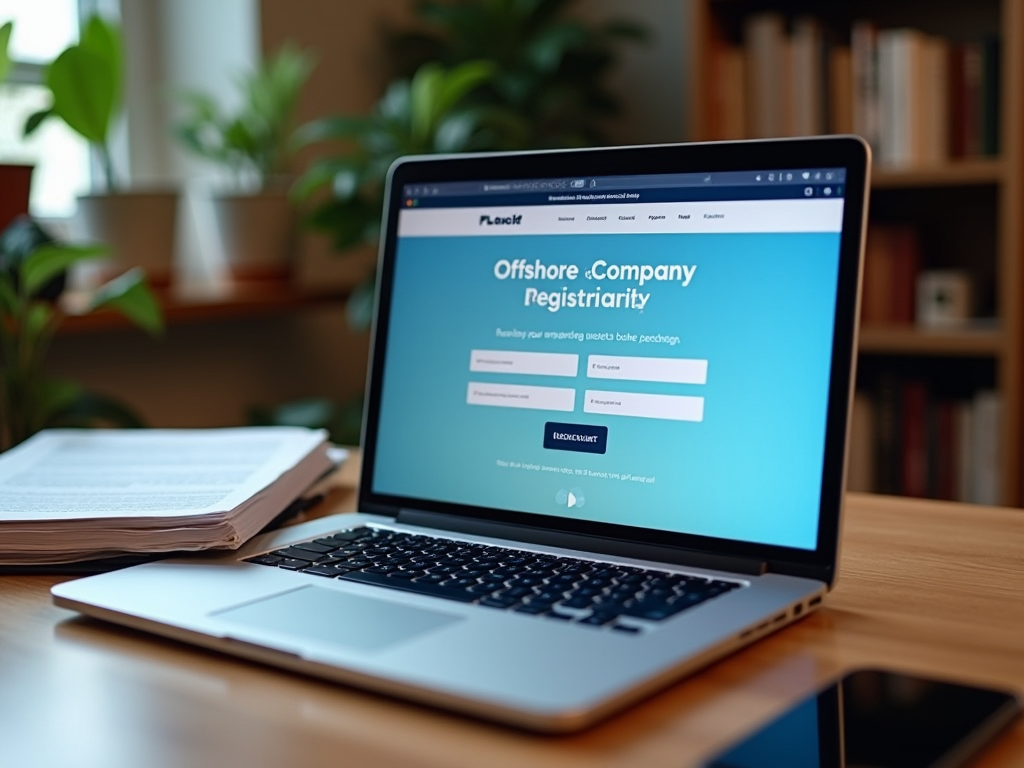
(71, 495)
(892, 263)
(767, 66)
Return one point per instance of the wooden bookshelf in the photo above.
(908, 340)
(955, 173)
(983, 188)
(221, 305)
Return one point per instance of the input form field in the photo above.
(670, 407)
(519, 396)
(670, 370)
(526, 363)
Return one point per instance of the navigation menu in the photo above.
(735, 216)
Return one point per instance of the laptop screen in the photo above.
(650, 351)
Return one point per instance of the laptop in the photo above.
(603, 444)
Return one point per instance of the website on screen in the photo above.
(609, 357)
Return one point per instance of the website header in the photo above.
(718, 217)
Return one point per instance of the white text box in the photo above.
(672, 407)
(532, 363)
(519, 396)
(671, 370)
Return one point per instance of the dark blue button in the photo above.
(586, 438)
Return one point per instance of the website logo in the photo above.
(494, 221)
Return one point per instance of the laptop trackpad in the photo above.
(338, 618)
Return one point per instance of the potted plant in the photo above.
(85, 83)
(255, 219)
(428, 113)
(15, 178)
(32, 279)
(552, 65)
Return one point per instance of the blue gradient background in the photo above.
(760, 309)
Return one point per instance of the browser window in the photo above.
(650, 351)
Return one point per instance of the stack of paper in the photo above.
(72, 495)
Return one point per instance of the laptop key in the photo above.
(531, 608)
(419, 587)
(498, 602)
(290, 564)
(312, 546)
(347, 536)
(265, 559)
(557, 615)
(382, 568)
(293, 553)
(325, 570)
(432, 578)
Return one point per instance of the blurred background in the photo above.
(251, 137)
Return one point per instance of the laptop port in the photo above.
(814, 601)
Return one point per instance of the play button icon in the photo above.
(573, 497)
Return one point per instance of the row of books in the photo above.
(908, 441)
(917, 98)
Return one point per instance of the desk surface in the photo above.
(931, 587)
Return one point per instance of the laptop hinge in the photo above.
(600, 544)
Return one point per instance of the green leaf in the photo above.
(129, 295)
(395, 103)
(5, 58)
(104, 39)
(326, 173)
(48, 261)
(459, 82)
(330, 128)
(36, 320)
(8, 296)
(83, 85)
(423, 93)
(549, 48)
(35, 120)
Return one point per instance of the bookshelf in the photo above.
(948, 134)
(206, 307)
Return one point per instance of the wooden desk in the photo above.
(930, 587)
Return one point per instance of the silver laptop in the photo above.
(604, 439)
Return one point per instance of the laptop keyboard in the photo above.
(560, 588)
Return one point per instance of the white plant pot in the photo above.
(138, 227)
(256, 234)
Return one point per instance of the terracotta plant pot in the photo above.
(15, 185)
(256, 234)
(139, 228)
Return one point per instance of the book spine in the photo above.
(914, 481)
(730, 86)
(906, 265)
(987, 477)
(888, 415)
(765, 41)
(972, 72)
(990, 81)
(806, 77)
(840, 90)
(864, 72)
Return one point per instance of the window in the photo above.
(42, 29)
